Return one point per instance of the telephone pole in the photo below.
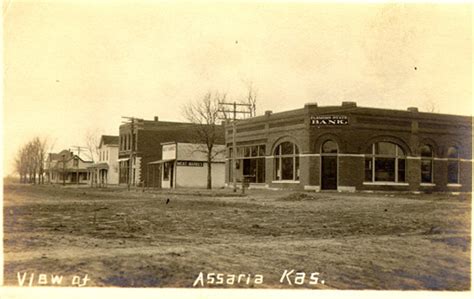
(224, 109)
(64, 169)
(78, 148)
(132, 143)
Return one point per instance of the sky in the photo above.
(75, 67)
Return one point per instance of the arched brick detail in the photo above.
(432, 143)
(284, 139)
(316, 146)
(453, 143)
(387, 138)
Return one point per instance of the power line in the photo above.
(223, 108)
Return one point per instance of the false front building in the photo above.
(140, 143)
(348, 148)
(186, 165)
(106, 171)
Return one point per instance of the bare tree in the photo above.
(251, 98)
(21, 164)
(430, 106)
(92, 140)
(40, 147)
(204, 113)
(30, 159)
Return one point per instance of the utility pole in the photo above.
(132, 144)
(235, 112)
(64, 170)
(78, 148)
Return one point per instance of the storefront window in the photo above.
(426, 153)
(385, 163)
(453, 165)
(287, 162)
(252, 160)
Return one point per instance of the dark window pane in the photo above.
(261, 150)
(287, 168)
(426, 151)
(261, 170)
(385, 169)
(297, 168)
(286, 148)
(246, 151)
(296, 150)
(329, 147)
(250, 169)
(385, 148)
(401, 170)
(254, 151)
(453, 153)
(368, 169)
(426, 174)
(453, 171)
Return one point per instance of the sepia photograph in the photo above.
(272, 146)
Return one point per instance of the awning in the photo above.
(123, 159)
(99, 166)
(161, 161)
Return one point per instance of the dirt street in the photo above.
(136, 239)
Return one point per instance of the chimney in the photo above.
(413, 109)
(349, 104)
(156, 118)
(311, 105)
(268, 112)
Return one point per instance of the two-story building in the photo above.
(66, 167)
(348, 148)
(106, 170)
(140, 143)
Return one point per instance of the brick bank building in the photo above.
(349, 148)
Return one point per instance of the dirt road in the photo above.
(136, 239)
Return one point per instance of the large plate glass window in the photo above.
(426, 153)
(286, 162)
(385, 162)
(453, 165)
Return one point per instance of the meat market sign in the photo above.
(329, 120)
(190, 163)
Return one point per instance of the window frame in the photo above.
(429, 159)
(451, 160)
(278, 163)
(397, 157)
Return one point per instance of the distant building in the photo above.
(66, 167)
(106, 170)
(185, 165)
(348, 148)
(140, 143)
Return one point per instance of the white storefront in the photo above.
(185, 165)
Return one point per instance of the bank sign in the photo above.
(329, 120)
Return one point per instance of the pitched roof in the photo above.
(109, 139)
(64, 154)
